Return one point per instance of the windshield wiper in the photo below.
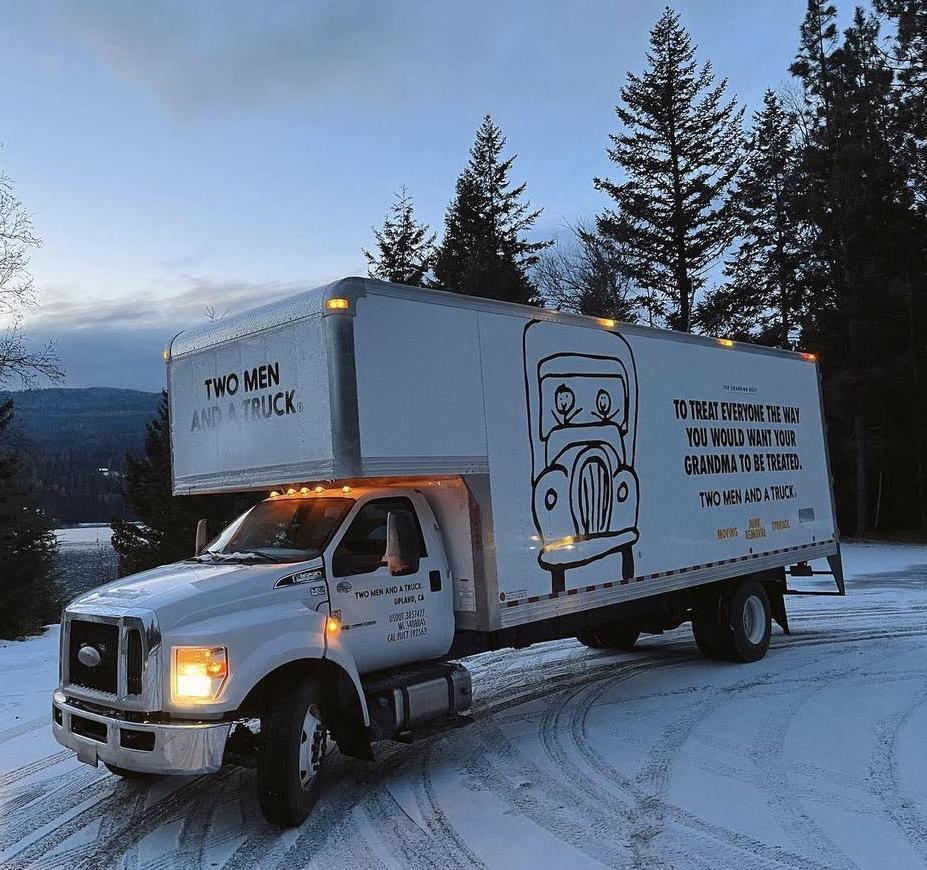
(237, 556)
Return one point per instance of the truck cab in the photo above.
(167, 670)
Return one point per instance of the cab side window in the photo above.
(362, 548)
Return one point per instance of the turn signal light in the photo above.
(332, 625)
(337, 304)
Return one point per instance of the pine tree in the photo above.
(679, 150)
(485, 251)
(762, 297)
(865, 256)
(909, 22)
(168, 522)
(29, 593)
(405, 248)
(585, 274)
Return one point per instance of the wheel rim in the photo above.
(754, 619)
(312, 746)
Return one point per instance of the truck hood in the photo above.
(170, 584)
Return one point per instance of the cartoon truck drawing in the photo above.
(582, 412)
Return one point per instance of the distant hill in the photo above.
(68, 435)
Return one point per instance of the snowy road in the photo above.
(813, 757)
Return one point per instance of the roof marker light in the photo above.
(320, 489)
(346, 489)
(304, 490)
(725, 342)
(274, 493)
(811, 357)
(607, 322)
(337, 304)
(291, 491)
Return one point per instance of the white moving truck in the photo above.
(444, 475)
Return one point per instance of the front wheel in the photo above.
(294, 741)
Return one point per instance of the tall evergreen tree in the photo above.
(867, 250)
(908, 20)
(168, 526)
(405, 248)
(29, 593)
(679, 150)
(762, 298)
(485, 251)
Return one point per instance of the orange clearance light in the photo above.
(166, 354)
(607, 322)
(320, 489)
(337, 304)
(346, 489)
(332, 624)
(725, 342)
(291, 491)
(811, 357)
(304, 490)
(274, 493)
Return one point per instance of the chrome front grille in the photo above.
(127, 646)
(103, 639)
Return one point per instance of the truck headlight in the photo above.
(199, 672)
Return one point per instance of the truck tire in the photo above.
(125, 773)
(291, 753)
(748, 621)
(618, 637)
(708, 634)
(736, 624)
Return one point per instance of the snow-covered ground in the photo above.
(814, 757)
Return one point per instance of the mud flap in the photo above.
(777, 605)
(354, 741)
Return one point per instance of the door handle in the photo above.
(434, 578)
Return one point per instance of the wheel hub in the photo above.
(754, 619)
(312, 746)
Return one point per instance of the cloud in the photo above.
(66, 311)
(197, 55)
(118, 342)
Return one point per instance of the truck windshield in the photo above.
(282, 530)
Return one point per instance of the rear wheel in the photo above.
(736, 625)
(750, 621)
(294, 741)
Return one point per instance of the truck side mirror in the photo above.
(402, 550)
(202, 537)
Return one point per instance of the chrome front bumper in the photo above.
(191, 748)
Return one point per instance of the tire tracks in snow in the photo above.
(884, 777)
(504, 682)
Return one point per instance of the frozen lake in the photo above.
(85, 558)
(811, 758)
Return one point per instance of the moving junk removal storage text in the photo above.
(741, 438)
(249, 396)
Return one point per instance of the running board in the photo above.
(803, 569)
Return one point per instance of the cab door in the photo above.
(390, 619)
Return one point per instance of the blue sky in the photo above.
(180, 155)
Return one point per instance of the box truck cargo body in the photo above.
(608, 461)
(471, 475)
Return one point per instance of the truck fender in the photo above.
(340, 655)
